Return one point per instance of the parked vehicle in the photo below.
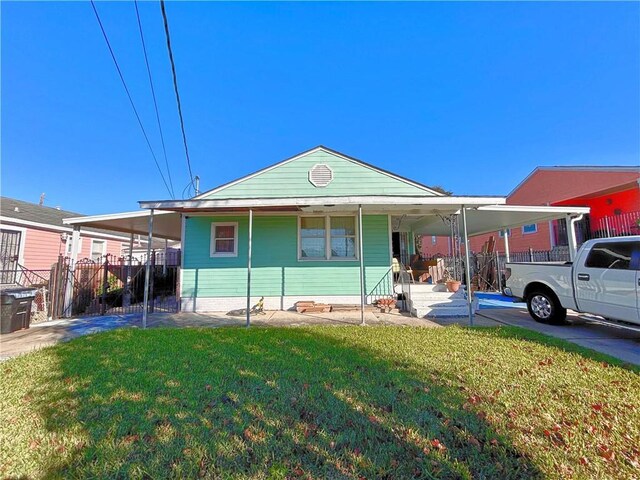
(603, 280)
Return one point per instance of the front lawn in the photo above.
(317, 402)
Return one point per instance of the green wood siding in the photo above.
(292, 180)
(276, 270)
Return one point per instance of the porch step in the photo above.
(440, 304)
(440, 312)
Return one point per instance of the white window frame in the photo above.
(529, 233)
(501, 234)
(434, 239)
(104, 247)
(212, 244)
(327, 239)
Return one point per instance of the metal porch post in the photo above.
(467, 266)
(249, 268)
(164, 264)
(127, 290)
(360, 243)
(505, 235)
(147, 272)
(68, 291)
(571, 235)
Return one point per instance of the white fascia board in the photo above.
(111, 216)
(534, 209)
(308, 201)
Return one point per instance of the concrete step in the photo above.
(439, 312)
(446, 303)
(437, 296)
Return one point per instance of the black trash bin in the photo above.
(15, 309)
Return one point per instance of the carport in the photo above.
(157, 229)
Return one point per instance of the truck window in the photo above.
(612, 255)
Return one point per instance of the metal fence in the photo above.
(622, 225)
(116, 286)
(47, 283)
(112, 285)
(487, 269)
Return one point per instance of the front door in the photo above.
(400, 244)
(9, 252)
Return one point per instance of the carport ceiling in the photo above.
(492, 218)
(166, 225)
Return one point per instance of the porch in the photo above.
(458, 217)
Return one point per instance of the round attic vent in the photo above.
(320, 175)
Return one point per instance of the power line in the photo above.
(153, 94)
(126, 89)
(175, 87)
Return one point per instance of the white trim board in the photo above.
(354, 201)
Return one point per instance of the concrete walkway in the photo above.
(49, 333)
(616, 341)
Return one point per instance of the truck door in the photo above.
(606, 283)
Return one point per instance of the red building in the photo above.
(612, 193)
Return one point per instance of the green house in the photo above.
(303, 218)
(320, 226)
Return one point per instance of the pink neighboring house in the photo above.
(34, 236)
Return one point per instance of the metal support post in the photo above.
(467, 266)
(571, 235)
(126, 301)
(249, 268)
(147, 272)
(360, 243)
(68, 291)
(164, 264)
(505, 235)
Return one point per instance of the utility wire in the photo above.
(126, 89)
(175, 87)
(155, 103)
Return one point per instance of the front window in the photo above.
(343, 237)
(98, 248)
(526, 229)
(327, 238)
(224, 239)
(313, 235)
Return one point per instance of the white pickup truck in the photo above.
(603, 280)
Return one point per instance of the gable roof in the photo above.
(419, 188)
(12, 208)
(560, 183)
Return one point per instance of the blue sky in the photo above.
(470, 96)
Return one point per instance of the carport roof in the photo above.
(166, 225)
(492, 218)
(423, 215)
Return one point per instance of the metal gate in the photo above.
(116, 287)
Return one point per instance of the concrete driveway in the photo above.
(616, 341)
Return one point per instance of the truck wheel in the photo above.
(544, 307)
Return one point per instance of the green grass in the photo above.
(318, 402)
